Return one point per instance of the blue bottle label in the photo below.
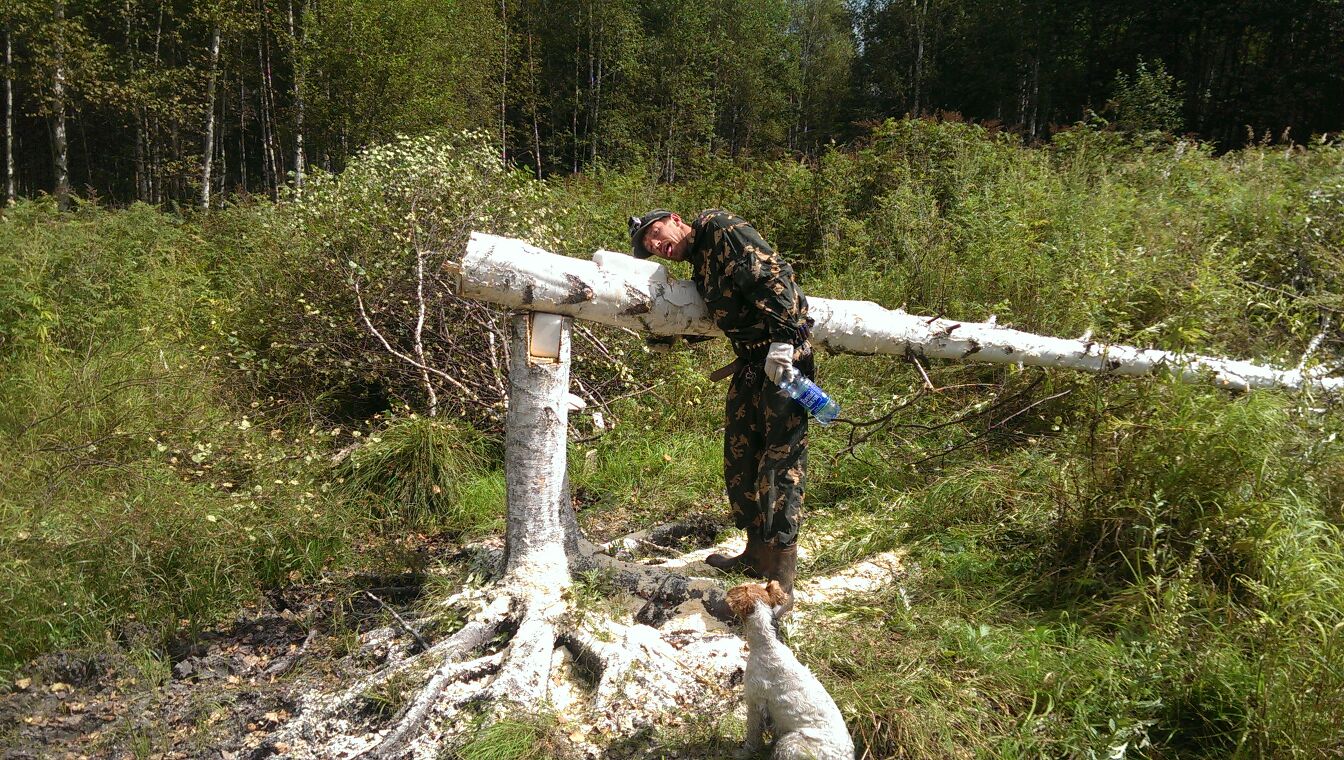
(812, 398)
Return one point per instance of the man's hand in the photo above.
(779, 362)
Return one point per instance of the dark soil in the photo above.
(216, 693)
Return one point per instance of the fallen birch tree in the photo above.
(618, 289)
(521, 633)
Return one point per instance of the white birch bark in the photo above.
(59, 144)
(534, 457)
(208, 156)
(617, 289)
(10, 195)
(299, 112)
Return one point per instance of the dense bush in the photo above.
(136, 491)
(379, 233)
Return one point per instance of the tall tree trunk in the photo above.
(141, 180)
(10, 194)
(152, 130)
(534, 448)
(59, 144)
(594, 78)
(133, 43)
(208, 155)
(921, 22)
(298, 100)
(270, 177)
(504, 84)
(574, 113)
(242, 120)
(536, 125)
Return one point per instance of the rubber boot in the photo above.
(750, 562)
(783, 568)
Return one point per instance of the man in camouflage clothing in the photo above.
(752, 297)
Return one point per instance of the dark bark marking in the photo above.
(578, 291)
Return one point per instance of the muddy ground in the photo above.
(215, 693)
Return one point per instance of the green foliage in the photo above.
(136, 492)
(383, 68)
(133, 496)
(514, 738)
(1137, 577)
(650, 474)
(1097, 566)
(424, 472)
(66, 281)
(377, 234)
(1148, 101)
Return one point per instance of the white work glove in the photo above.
(779, 362)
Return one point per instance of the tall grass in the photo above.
(137, 494)
(1129, 569)
(425, 472)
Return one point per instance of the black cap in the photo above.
(637, 226)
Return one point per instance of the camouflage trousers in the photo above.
(765, 450)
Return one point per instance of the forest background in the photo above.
(193, 101)
(196, 413)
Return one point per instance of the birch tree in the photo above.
(617, 289)
(60, 146)
(208, 151)
(10, 195)
(637, 674)
(297, 57)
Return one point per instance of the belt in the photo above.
(742, 349)
(725, 371)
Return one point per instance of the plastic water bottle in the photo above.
(812, 397)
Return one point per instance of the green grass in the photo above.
(138, 492)
(426, 472)
(646, 474)
(1130, 564)
(513, 738)
(1168, 625)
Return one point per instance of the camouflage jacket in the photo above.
(750, 291)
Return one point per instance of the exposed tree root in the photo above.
(633, 675)
(608, 674)
(473, 636)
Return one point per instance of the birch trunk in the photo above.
(617, 289)
(634, 675)
(207, 160)
(59, 144)
(10, 194)
(299, 159)
(242, 122)
(504, 84)
(535, 438)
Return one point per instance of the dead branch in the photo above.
(359, 298)
(405, 626)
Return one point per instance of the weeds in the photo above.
(425, 472)
(1134, 569)
(516, 738)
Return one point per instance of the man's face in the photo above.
(668, 238)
